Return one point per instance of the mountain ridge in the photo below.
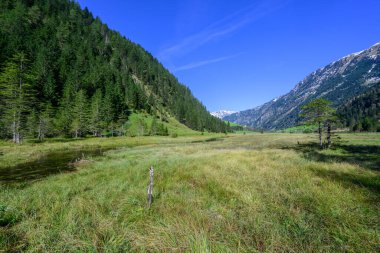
(222, 113)
(338, 81)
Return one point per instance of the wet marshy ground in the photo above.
(49, 164)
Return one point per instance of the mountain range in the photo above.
(222, 113)
(337, 82)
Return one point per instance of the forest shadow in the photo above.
(46, 165)
(370, 182)
(209, 140)
(366, 156)
(56, 140)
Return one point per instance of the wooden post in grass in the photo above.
(150, 188)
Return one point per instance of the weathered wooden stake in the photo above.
(150, 187)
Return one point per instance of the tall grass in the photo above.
(254, 193)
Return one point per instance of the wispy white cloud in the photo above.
(221, 28)
(204, 62)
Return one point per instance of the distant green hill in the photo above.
(232, 124)
(80, 76)
(238, 128)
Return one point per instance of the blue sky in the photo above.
(240, 54)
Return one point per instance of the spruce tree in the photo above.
(154, 127)
(96, 121)
(45, 122)
(16, 83)
(79, 123)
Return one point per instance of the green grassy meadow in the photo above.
(272, 192)
(300, 129)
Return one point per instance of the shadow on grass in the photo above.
(366, 156)
(370, 182)
(8, 216)
(209, 140)
(46, 165)
(55, 140)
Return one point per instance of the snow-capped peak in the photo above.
(222, 113)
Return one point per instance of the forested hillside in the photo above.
(362, 113)
(64, 72)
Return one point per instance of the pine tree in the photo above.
(107, 112)
(154, 127)
(122, 125)
(96, 121)
(79, 123)
(319, 112)
(65, 113)
(45, 122)
(16, 94)
(31, 123)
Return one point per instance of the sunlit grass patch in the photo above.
(244, 193)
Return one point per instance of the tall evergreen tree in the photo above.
(16, 94)
(96, 122)
(79, 123)
(45, 122)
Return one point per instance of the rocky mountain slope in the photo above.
(338, 82)
(222, 113)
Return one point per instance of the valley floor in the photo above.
(212, 193)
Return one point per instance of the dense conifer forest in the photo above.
(363, 112)
(65, 73)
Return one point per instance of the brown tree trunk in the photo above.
(14, 127)
(41, 134)
(17, 113)
(18, 135)
(328, 135)
(320, 134)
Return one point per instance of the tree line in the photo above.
(65, 73)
